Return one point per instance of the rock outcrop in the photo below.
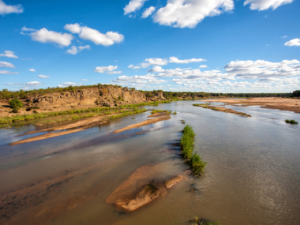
(103, 96)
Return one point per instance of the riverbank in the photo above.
(221, 109)
(287, 104)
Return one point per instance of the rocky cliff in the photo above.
(103, 96)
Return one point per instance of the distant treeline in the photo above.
(5, 94)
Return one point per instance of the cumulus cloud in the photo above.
(156, 61)
(203, 66)
(87, 33)
(266, 4)
(8, 54)
(73, 28)
(130, 66)
(156, 69)
(188, 13)
(263, 69)
(46, 36)
(185, 61)
(107, 69)
(293, 42)
(84, 80)
(6, 64)
(74, 50)
(6, 9)
(7, 72)
(67, 84)
(147, 79)
(133, 6)
(32, 70)
(33, 84)
(43, 76)
(148, 12)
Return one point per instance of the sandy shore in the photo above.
(144, 123)
(223, 109)
(287, 104)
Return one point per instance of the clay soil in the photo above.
(287, 104)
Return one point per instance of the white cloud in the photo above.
(6, 9)
(6, 64)
(45, 36)
(156, 61)
(133, 5)
(148, 12)
(263, 69)
(156, 69)
(107, 69)
(84, 80)
(130, 66)
(73, 28)
(188, 13)
(114, 72)
(74, 50)
(185, 61)
(33, 84)
(8, 54)
(7, 72)
(203, 66)
(43, 76)
(147, 79)
(284, 37)
(293, 42)
(32, 70)
(266, 4)
(87, 33)
(67, 84)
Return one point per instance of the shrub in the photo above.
(291, 121)
(15, 104)
(187, 147)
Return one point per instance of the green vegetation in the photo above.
(291, 121)
(137, 111)
(161, 111)
(187, 149)
(19, 120)
(296, 94)
(15, 104)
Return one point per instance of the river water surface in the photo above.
(252, 174)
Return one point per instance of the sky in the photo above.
(228, 46)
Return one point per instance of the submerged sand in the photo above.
(287, 104)
(144, 123)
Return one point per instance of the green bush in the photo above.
(187, 149)
(291, 121)
(15, 104)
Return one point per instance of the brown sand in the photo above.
(223, 109)
(140, 189)
(144, 123)
(46, 136)
(287, 104)
(158, 115)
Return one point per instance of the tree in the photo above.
(15, 104)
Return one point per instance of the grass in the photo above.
(291, 121)
(187, 149)
(161, 111)
(21, 120)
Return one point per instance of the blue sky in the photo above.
(174, 45)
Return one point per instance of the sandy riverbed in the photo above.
(288, 104)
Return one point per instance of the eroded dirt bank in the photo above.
(144, 123)
(287, 104)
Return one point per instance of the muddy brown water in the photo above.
(252, 174)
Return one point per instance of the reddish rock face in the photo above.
(104, 96)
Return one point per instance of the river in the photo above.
(252, 174)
